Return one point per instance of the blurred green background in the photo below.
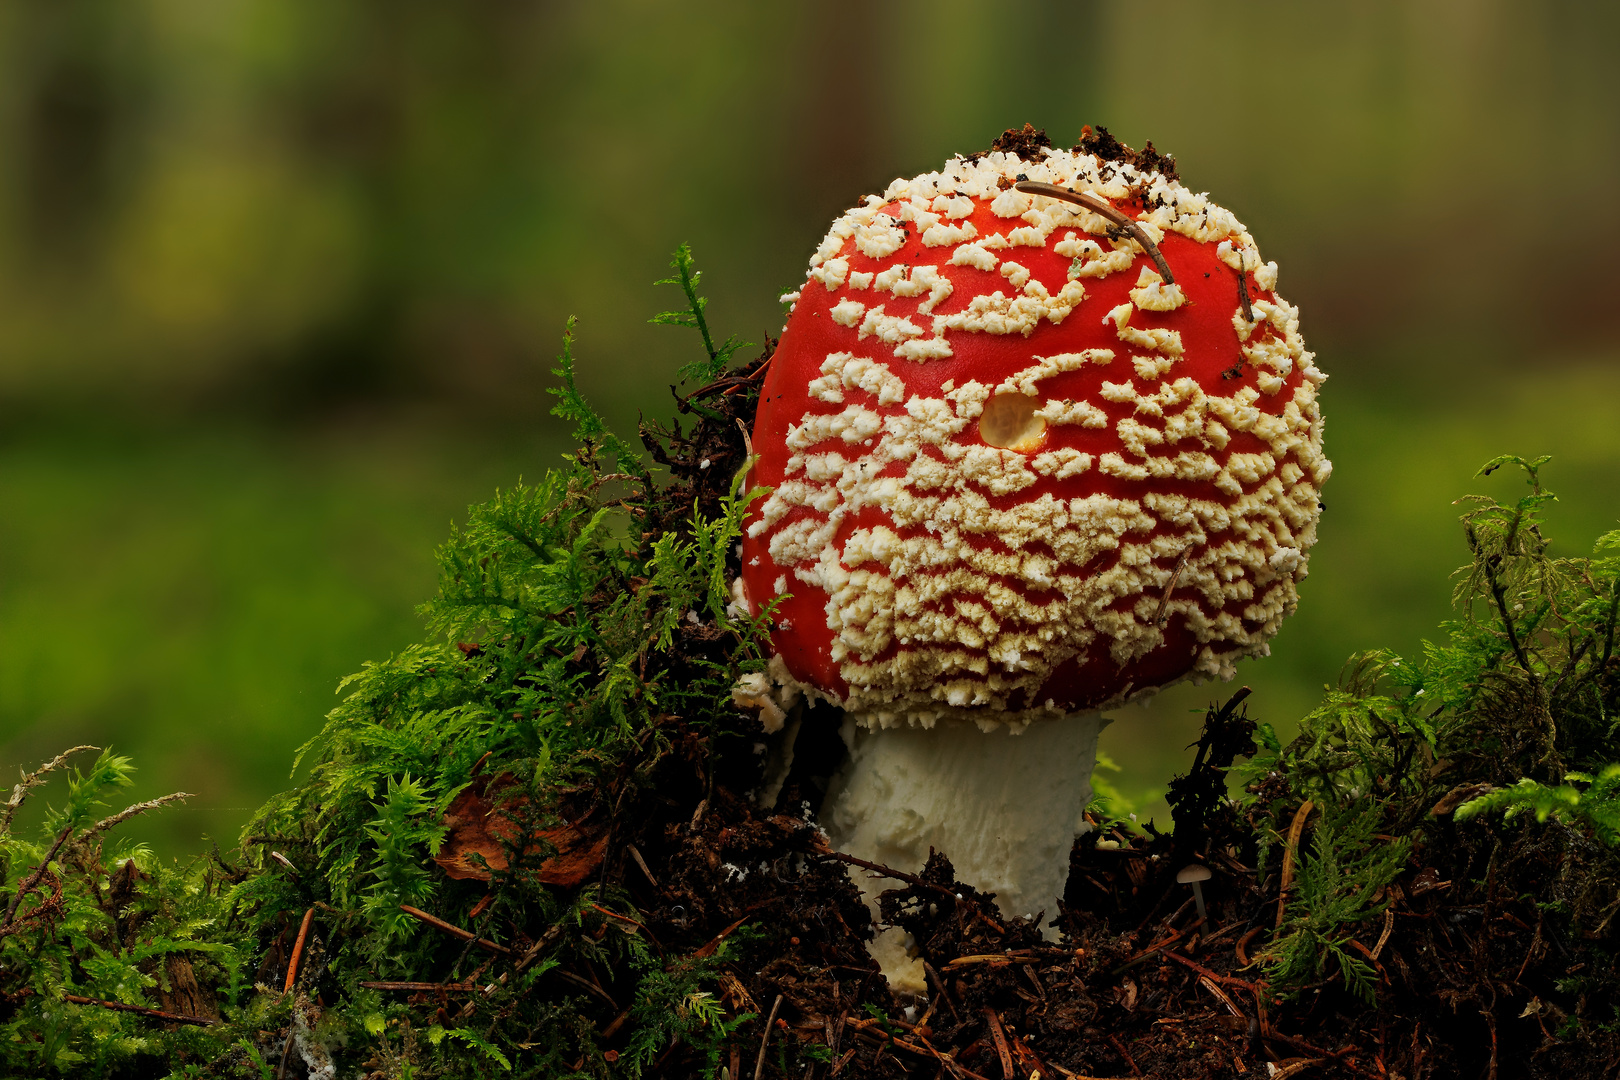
(280, 283)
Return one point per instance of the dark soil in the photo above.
(1099, 143)
(1029, 143)
(1137, 985)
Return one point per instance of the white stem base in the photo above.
(1005, 807)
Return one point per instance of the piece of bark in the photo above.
(480, 827)
(184, 995)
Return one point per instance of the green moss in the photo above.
(1514, 711)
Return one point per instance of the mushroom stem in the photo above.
(1004, 805)
(1198, 899)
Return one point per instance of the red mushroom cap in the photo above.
(1015, 471)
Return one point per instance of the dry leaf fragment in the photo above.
(478, 828)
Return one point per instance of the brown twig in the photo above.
(765, 1039)
(1261, 1016)
(617, 916)
(286, 1049)
(1099, 206)
(131, 811)
(887, 871)
(453, 930)
(956, 1068)
(419, 987)
(873, 1033)
(618, 1022)
(541, 943)
(1535, 939)
(298, 951)
(1000, 1038)
(1296, 1068)
(708, 948)
(140, 1010)
(1243, 287)
(997, 959)
(928, 1014)
(1499, 594)
(1205, 943)
(1205, 973)
(724, 382)
(37, 876)
(1075, 1075)
(1316, 1051)
(1149, 952)
(1389, 925)
(1240, 950)
(1035, 980)
(1219, 995)
(586, 985)
(32, 780)
(1119, 1047)
(1157, 904)
(1490, 1018)
(1287, 878)
(1368, 953)
(1170, 587)
(636, 855)
(944, 991)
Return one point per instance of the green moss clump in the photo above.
(1484, 768)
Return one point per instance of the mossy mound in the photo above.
(531, 846)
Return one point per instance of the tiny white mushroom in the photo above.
(1193, 875)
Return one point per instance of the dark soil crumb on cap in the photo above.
(1032, 142)
(1027, 144)
(1104, 147)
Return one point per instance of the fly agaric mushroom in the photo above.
(1041, 438)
